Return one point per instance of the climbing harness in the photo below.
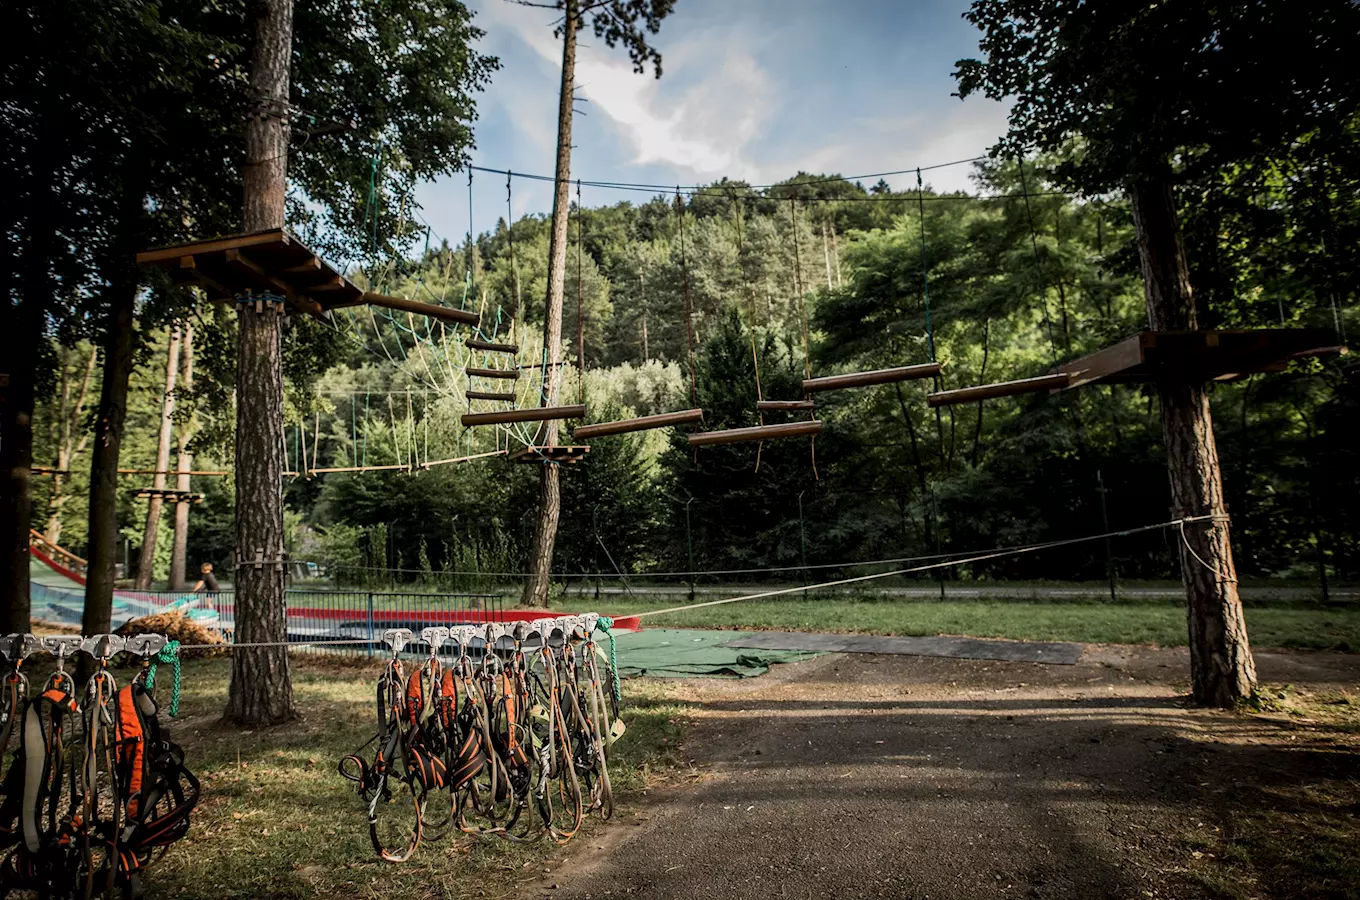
(95, 790)
(516, 726)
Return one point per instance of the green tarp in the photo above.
(690, 653)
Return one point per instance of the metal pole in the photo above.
(1105, 522)
(689, 548)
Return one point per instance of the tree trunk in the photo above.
(22, 330)
(119, 345)
(146, 560)
(261, 691)
(184, 463)
(1221, 666)
(550, 488)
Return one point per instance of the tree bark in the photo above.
(550, 487)
(261, 691)
(22, 329)
(1221, 666)
(184, 463)
(119, 345)
(146, 560)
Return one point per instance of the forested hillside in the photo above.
(815, 275)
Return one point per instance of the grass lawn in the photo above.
(1162, 624)
(277, 821)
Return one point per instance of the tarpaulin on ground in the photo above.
(691, 653)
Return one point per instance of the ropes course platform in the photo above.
(276, 262)
(1151, 356)
(559, 454)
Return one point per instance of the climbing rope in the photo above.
(169, 655)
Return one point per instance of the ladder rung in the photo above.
(490, 395)
(474, 344)
(493, 373)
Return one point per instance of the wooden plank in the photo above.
(310, 267)
(865, 379)
(1124, 356)
(493, 373)
(448, 314)
(1001, 389)
(785, 405)
(188, 270)
(163, 255)
(491, 395)
(756, 433)
(533, 414)
(474, 344)
(555, 454)
(641, 423)
(458, 459)
(252, 270)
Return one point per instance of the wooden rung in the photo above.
(784, 405)
(864, 379)
(533, 414)
(756, 433)
(641, 423)
(447, 313)
(490, 395)
(493, 373)
(1001, 389)
(474, 344)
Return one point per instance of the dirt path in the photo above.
(906, 777)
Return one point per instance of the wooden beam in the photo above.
(1001, 389)
(1127, 354)
(490, 395)
(865, 379)
(334, 283)
(447, 313)
(216, 245)
(189, 270)
(785, 405)
(474, 344)
(533, 414)
(458, 459)
(641, 423)
(253, 271)
(493, 373)
(756, 433)
(310, 266)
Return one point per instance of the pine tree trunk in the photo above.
(550, 487)
(119, 346)
(184, 462)
(146, 560)
(68, 424)
(261, 691)
(22, 333)
(1221, 666)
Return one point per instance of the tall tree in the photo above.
(1149, 96)
(146, 559)
(626, 22)
(184, 462)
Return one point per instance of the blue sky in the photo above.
(751, 89)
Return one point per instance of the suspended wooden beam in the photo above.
(532, 414)
(641, 423)
(785, 405)
(490, 395)
(493, 373)
(864, 379)
(196, 472)
(755, 433)
(489, 347)
(457, 459)
(1206, 355)
(168, 494)
(336, 469)
(1000, 389)
(446, 313)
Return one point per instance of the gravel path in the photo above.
(904, 777)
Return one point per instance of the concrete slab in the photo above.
(1054, 653)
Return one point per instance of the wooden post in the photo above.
(261, 691)
(1222, 669)
(184, 464)
(146, 559)
(550, 489)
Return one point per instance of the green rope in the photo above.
(169, 654)
(604, 624)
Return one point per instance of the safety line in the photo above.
(1011, 551)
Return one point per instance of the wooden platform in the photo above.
(1202, 355)
(276, 262)
(572, 454)
(170, 494)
